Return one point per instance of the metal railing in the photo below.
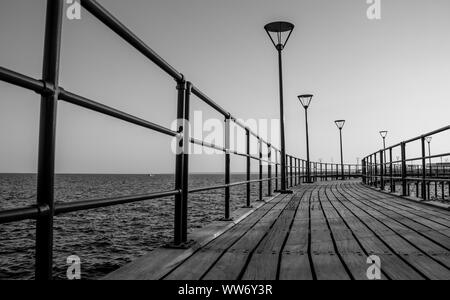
(51, 93)
(409, 176)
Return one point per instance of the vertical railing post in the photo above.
(247, 135)
(47, 137)
(295, 171)
(260, 170)
(179, 198)
(363, 171)
(186, 144)
(424, 172)
(291, 169)
(404, 175)
(391, 173)
(269, 170)
(303, 170)
(326, 172)
(382, 169)
(286, 171)
(276, 170)
(376, 169)
(227, 167)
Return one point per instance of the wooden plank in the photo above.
(425, 231)
(198, 264)
(229, 266)
(422, 244)
(408, 205)
(392, 265)
(425, 265)
(264, 261)
(349, 249)
(417, 209)
(160, 261)
(295, 261)
(326, 263)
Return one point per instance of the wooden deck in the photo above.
(324, 231)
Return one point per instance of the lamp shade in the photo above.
(340, 123)
(305, 100)
(428, 139)
(279, 33)
(383, 134)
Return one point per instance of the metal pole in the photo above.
(227, 168)
(342, 155)
(376, 170)
(186, 143)
(283, 144)
(247, 132)
(391, 174)
(429, 160)
(291, 169)
(308, 170)
(269, 170)
(276, 170)
(260, 171)
(404, 170)
(47, 137)
(382, 169)
(303, 171)
(179, 203)
(424, 170)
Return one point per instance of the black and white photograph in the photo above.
(225, 147)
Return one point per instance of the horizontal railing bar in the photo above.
(115, 25)
(62, 208)
(409, 178)
(21, 80)
(206, 144)
(19, 214)
(210, 102)
(218, 187)
(112, 112)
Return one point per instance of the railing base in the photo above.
(226, 219)
(186, 245)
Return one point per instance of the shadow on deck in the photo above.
(325, 230)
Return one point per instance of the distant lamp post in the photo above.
(279, 33)
(305, 100)
(384, 135)
(428, 140)
(340, 124)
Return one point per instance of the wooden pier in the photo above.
(325, 230)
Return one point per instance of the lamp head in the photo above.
(428, 139)
(383, 134)
(340, 124)
(305, 100)
(279, 33)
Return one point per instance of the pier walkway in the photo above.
(325, 230)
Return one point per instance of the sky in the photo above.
(388, 74)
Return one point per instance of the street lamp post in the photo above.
(340, 125)
(305, 100)
(428, 139)
(279, 33)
